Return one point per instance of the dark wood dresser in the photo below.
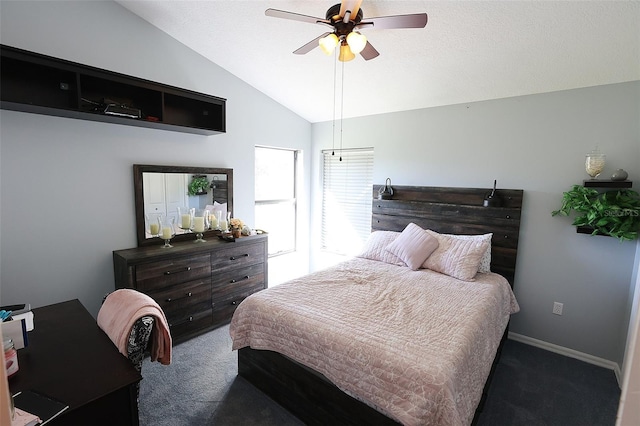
(198, 285)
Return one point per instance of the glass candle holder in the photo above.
(185, 218)
(199, 224)
(168, 231)
(224, 222)
(213, 220)
(153, 224)
(218, 226)
(594, 163)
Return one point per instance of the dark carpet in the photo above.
(531, 387)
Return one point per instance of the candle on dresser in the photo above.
(166, 233)
(198, 224)
(186, 221)
(154, 228)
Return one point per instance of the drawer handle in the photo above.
(246, 277)
(175, 271)
(238, 257)
(184, 297)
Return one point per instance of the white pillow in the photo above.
(485, 262)
(413, 246)
(456, 257)
(374, 248)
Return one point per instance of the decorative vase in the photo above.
(619, 174)
(594, 163)
(236, 232)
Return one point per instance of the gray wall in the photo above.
(67, 185)
(536, 143)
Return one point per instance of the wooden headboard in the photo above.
(456, 211)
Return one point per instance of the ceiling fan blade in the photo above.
(275, 13)
(352, 5)
(369, 52)
(309, 46)
(416, 20)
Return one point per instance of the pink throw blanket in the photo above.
(122, 308)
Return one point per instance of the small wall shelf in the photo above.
(35, 83)
(606, 183)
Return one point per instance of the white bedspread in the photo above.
(415, 345)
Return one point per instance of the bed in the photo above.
(374, 341)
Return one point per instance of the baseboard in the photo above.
(600, 362)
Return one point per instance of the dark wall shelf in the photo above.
(34, 83)
(606, 183)
(587, 230)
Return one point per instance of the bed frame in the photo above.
(308, 394)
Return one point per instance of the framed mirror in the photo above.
(160, 190)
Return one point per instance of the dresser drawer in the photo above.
(164, 273)
(238, 256)
(231, 280)
(225, 303)
(185, 298)
(189, 324)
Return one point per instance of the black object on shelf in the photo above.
(606, 183)
(40, 84)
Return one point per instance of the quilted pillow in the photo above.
(456, 257)
(374, 248)
(413, 246)
(485, 262)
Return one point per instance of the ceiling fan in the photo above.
(347, 19)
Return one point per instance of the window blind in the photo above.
(346, 200)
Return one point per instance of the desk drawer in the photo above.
(185, 298)
(238, 256)
(164, 273)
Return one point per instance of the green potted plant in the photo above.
(612, 213)
(198, 185)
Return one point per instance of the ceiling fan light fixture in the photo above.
(356, 41)
(346, 54)
(328, 43)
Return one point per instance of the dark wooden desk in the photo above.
(71, 359)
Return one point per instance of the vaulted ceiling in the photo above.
(469, 50)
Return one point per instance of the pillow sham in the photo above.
(374, 248)
(456, 257)
(413, 246)
(485, 262)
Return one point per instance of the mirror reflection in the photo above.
(165, 192)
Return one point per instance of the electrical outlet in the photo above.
(557, 308)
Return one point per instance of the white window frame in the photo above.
(293, 201)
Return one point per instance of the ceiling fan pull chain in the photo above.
(333, 131)
(341, 108)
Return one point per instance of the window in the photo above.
(275, 186)
(347, 187)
